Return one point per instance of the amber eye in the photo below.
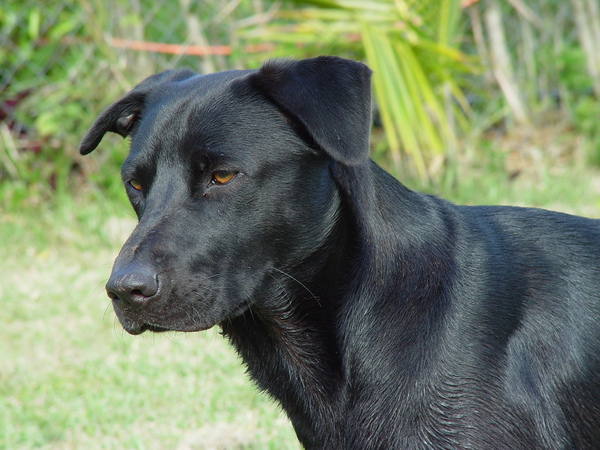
(135, 184)
(222, 177)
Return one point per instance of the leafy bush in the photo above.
(47, 101)
(60, 68)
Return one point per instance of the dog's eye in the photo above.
(222, 176)
(135, 184)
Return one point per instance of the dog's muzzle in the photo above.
(133, 287)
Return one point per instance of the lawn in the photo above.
(70, 377)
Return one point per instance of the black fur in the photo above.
(378, 317)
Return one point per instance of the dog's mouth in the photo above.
(153, 328)
(136, 328)
(139, 328)
(159, 319)
(136, 325)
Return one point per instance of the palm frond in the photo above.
(411, 48)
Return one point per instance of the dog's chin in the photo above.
(139, 328)
(146, 327)
(137, 324)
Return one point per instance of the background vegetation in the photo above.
(490, 101)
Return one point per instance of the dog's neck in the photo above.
(290, 343)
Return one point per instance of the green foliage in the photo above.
(35, 36)
(44, 66)
(58, 62)
(60, 55)
(580, 100)
(571, 70)
(412, 48)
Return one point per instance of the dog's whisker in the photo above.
(299, 283)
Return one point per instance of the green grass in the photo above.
(70, 377)
(571, 190)
(491, 175)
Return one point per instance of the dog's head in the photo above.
(229, 174)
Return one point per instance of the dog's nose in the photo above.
(134, 286)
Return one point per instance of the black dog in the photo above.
(378, 317)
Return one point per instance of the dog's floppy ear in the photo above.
(329, 96)
(121, 115)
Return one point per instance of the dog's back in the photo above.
(480, 328)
